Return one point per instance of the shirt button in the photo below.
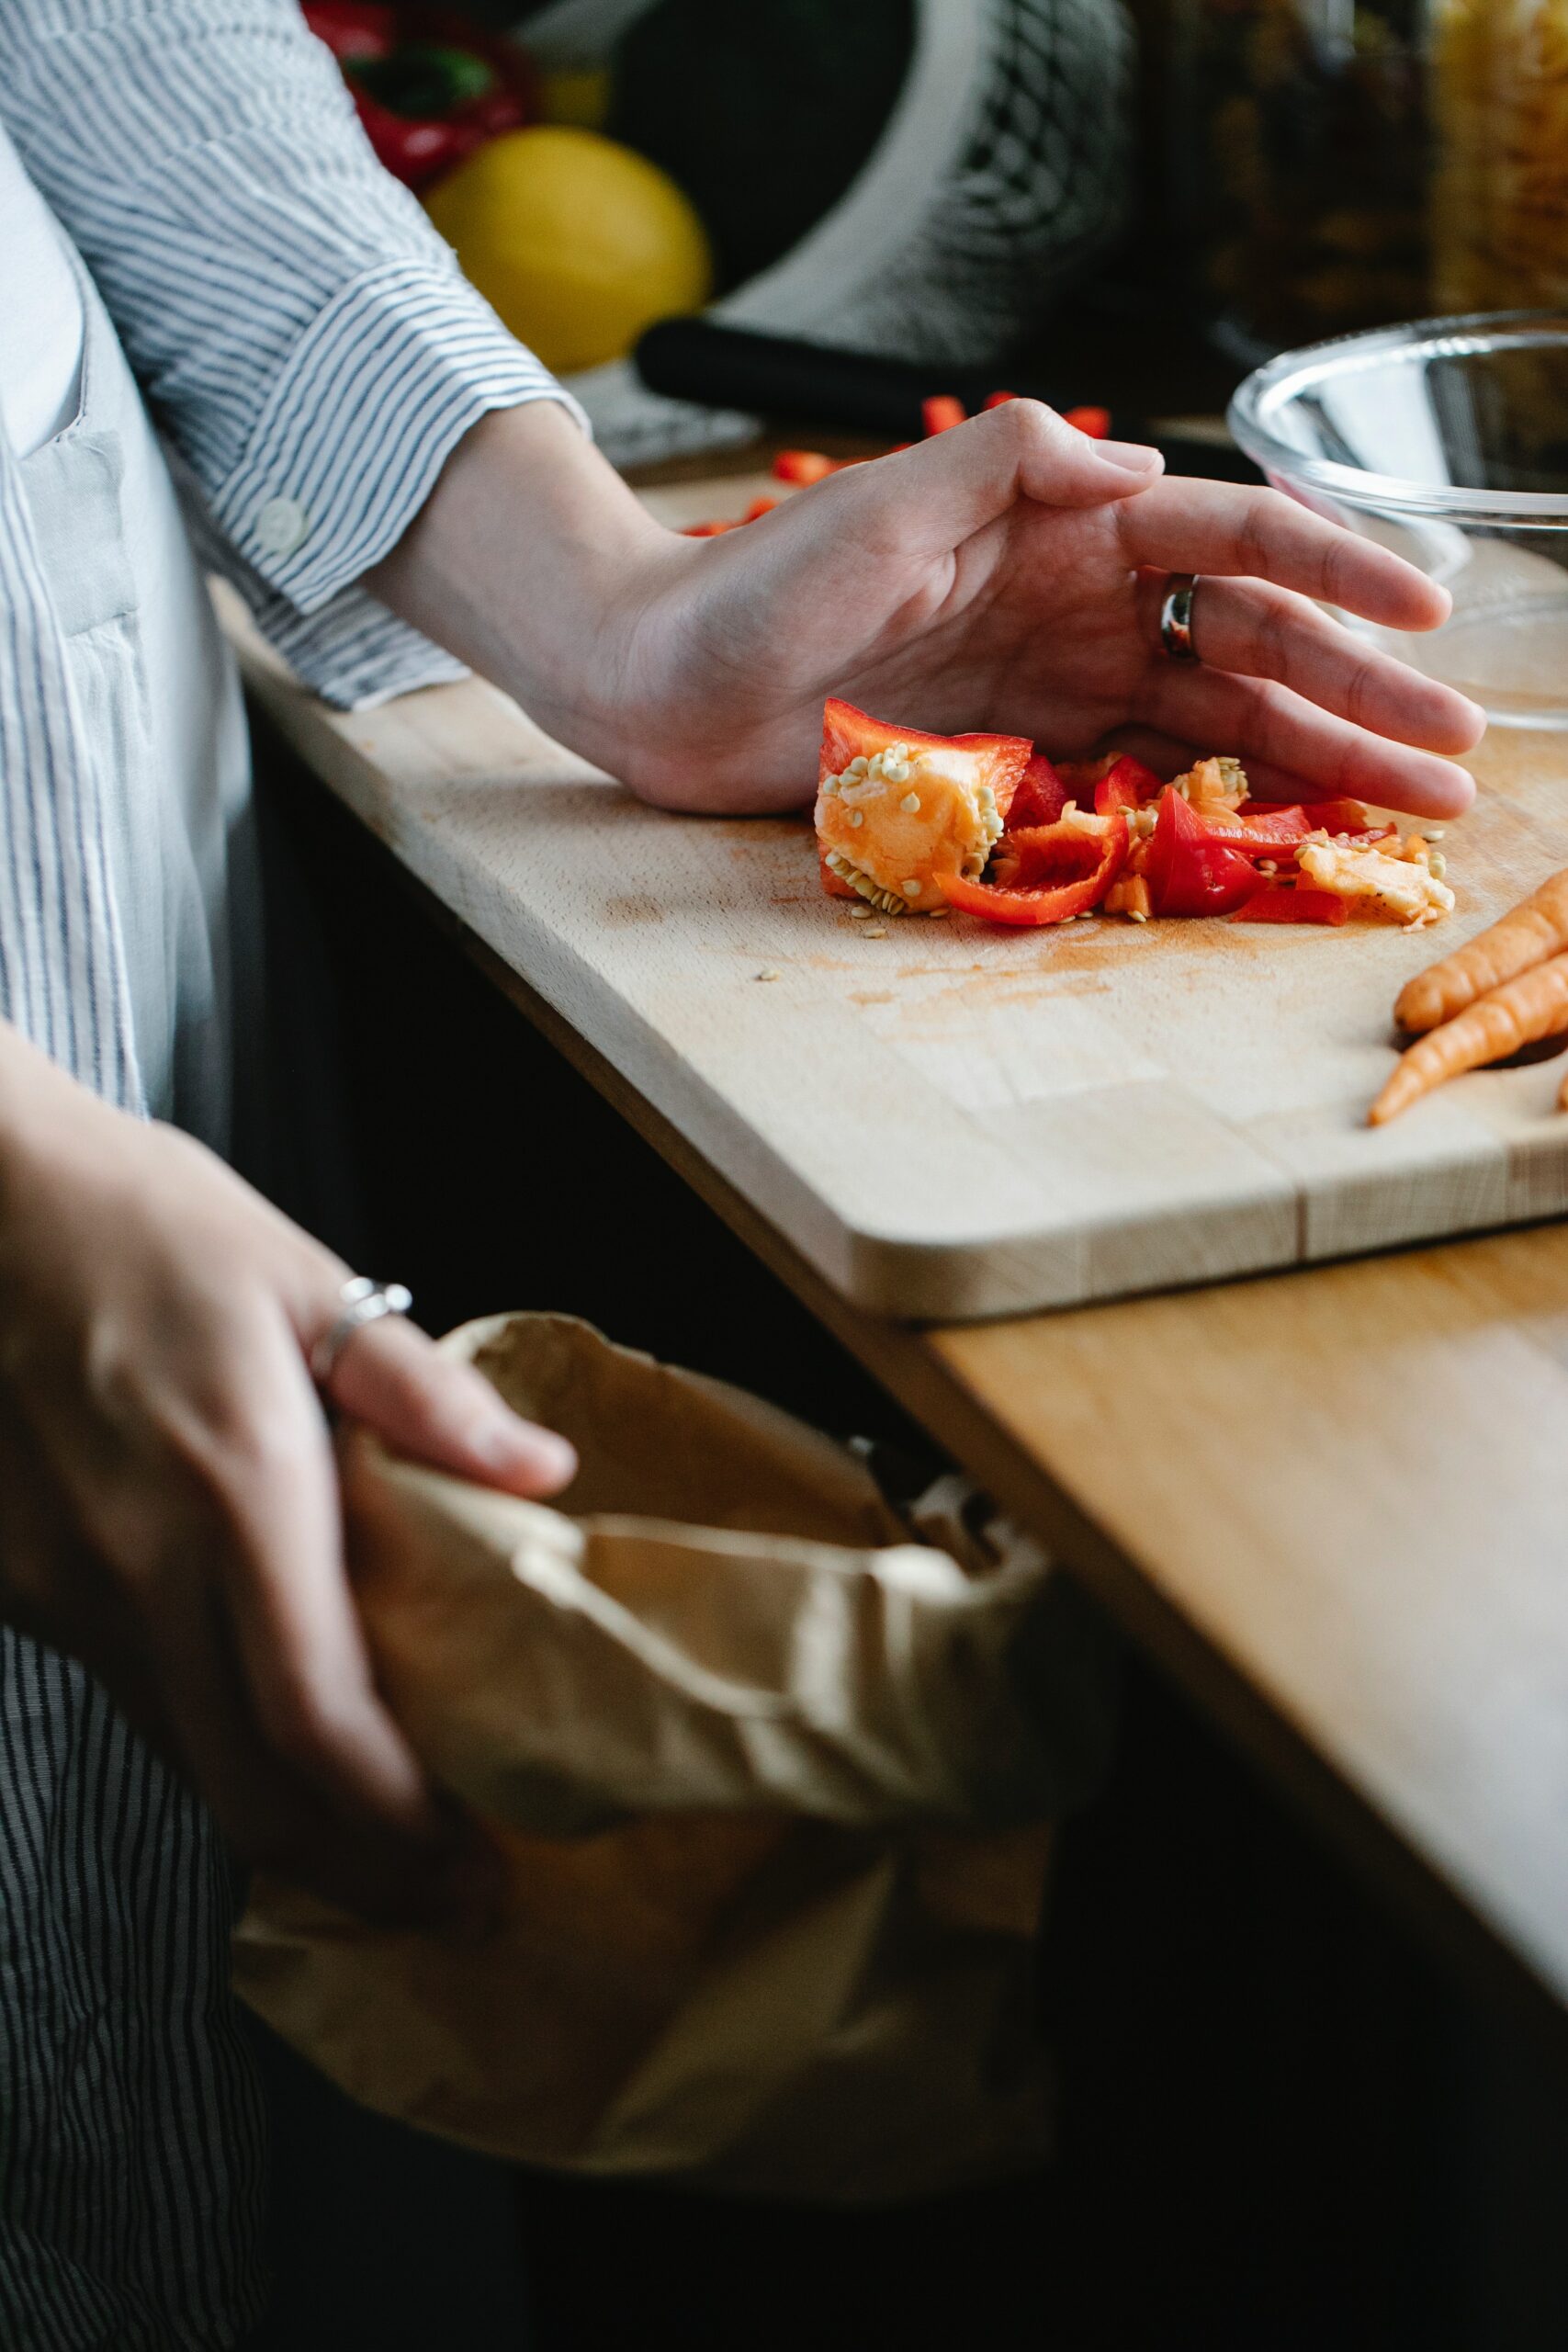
(281, 526)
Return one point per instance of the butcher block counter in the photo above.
(1330, 1499)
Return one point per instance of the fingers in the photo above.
(931, 498)
(396, 1381)
(1291, 748)
(1226, 527)
(1267, 632)
(262, 1661)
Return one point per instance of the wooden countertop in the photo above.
(1334, 1503)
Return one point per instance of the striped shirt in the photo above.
(311, 355)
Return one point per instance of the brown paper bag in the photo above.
(774, 1813)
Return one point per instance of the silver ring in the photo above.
(360, 1302)
(1176, 618)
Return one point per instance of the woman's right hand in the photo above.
(171, 1507)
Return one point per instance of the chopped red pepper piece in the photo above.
(1336, 817)
(757, 508)
(1292, 906)
(999, 400)
(1051, 873)
(1041, 796)
(803, 466)
(941, 413)
(1126, 784)
(1095, 421)
(1189, 872)
(848, 733)
(1274, 835)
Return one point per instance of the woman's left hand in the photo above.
(1005, 575)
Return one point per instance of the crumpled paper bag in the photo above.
(772, 1772)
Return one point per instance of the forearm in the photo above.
(531, 561)
(40, 1107)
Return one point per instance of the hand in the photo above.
(1006, 575)
(171, 1505)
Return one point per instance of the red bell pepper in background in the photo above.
(1095, 421)
(1041, 796)
(1051, 873)
(428, 89)
(803, 466)
(941, 413)
(1187, 871)
(1292, 906)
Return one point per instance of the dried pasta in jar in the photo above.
(1499, 97)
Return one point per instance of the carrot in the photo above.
(1534, 931)
(1533, 1005)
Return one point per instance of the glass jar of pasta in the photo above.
(1299, 164)
(1499, 110)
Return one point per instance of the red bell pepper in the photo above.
(1292, 906)
(941, 413)
(1274, 835)
(428, 89)
(803, 466)
(1328, 817)
(1050, 873)
(1041, 796)
(1126, 784)
(1095, 421)
(1187, 871)
(848, 733)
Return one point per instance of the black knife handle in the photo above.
(778, 376)
(798, 383)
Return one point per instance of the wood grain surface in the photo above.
(1348, 1488)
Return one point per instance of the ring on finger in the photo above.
(361, 1300)
(1175, 617)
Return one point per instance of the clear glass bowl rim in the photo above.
(1475, 332)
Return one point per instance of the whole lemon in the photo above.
(576, 240)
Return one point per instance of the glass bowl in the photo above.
(1446, 440)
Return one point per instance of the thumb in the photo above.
(940, 490)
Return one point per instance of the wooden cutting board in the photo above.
(951, 1121)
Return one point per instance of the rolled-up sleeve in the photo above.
(305, 339)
